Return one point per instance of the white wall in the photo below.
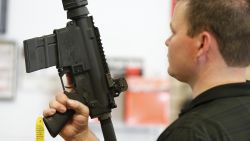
(129, 28)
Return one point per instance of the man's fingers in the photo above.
(61, 103)
(49, 112)
(54, 104)
(62, 98)
(78, 107)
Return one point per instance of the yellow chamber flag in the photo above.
(39, 129)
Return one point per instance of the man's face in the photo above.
(181, 47)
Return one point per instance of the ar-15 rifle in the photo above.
(77, 50)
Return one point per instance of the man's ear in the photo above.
(204, 43)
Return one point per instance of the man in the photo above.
(209, 49)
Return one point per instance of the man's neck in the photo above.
(209, 79)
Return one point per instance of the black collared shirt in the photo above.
(221, 113)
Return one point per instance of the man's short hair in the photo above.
(228, 21)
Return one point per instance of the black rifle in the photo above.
(77, 50)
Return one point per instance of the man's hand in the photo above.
(77, 128)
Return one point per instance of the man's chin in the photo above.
(174, 75)
(171, 73)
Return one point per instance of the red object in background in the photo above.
(147, 102)
(133, 71)
(146, 108)
(172, 6)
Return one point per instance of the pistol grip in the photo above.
(56, 122)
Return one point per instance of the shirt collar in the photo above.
(218, 92)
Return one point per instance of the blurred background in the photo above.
(133, 35)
